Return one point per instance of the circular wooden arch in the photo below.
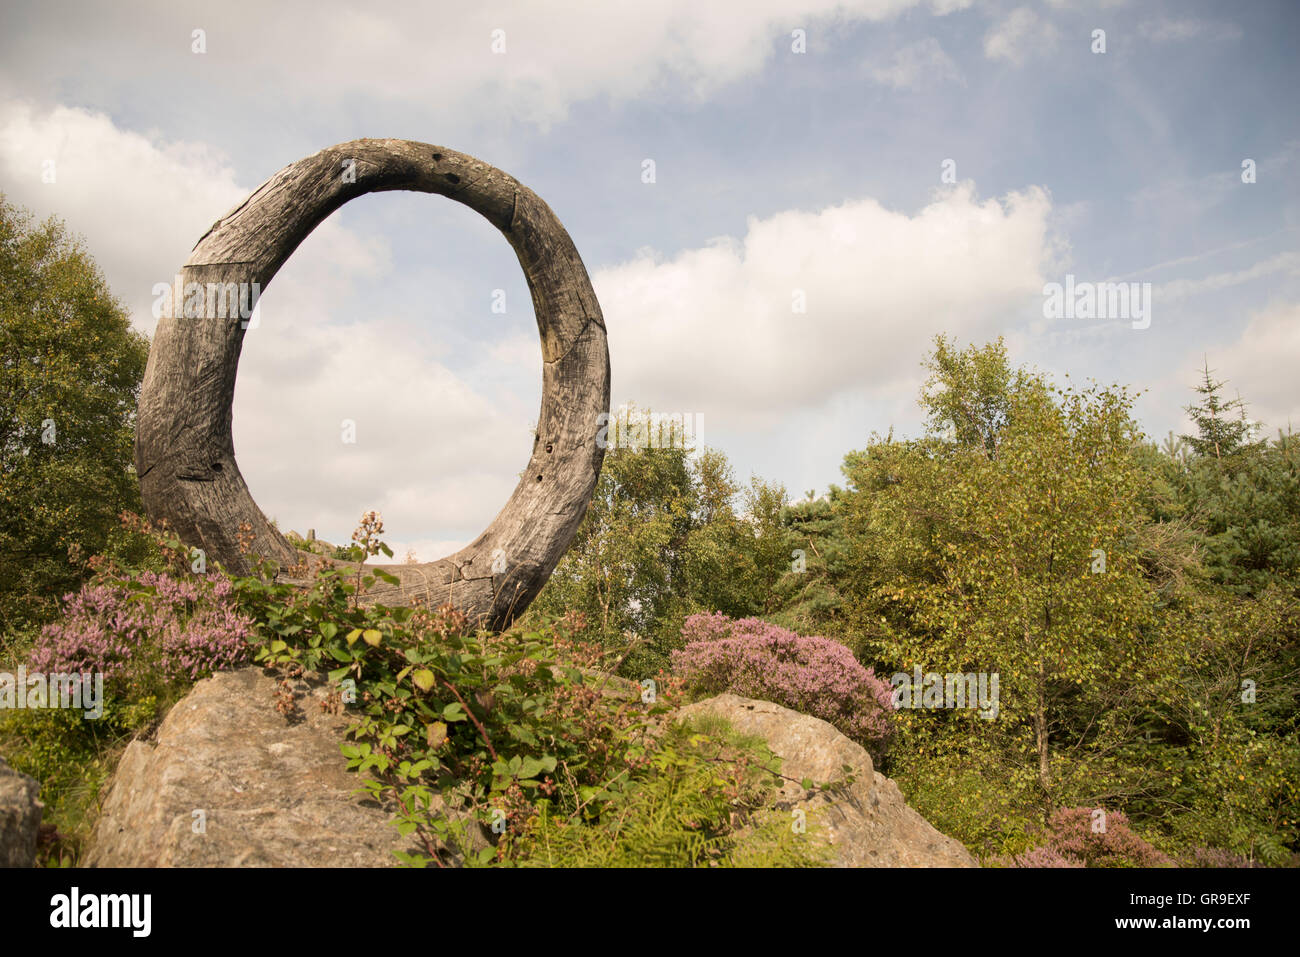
(184, 452)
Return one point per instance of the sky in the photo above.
(834, 183)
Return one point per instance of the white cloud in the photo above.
(1166, 30)
(1019, 36)
(712, 329)
(431, 452)
(555, 54)
(919, 64)
(140, 203)
(1261, 365)
(1183, 288)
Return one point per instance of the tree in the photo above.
(1013, 547)
(1243, 494)
(68, 388)
(663, 539)
(1222, 429)
(809, 595)
(967, 396)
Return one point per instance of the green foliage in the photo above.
(517, 733)
(962, 793)
(809, 596)
(1138, 604)
(68, 388)
(1222, 430)
(699, 803)
(982, 553)
(664, 538)
(969, 393)
(72, 757)
(1246, 509)
(450, 718)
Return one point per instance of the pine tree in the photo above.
(1222, 427)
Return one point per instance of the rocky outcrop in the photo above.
(20, 817)
(867, 823)
(233, 781)
(236, 776)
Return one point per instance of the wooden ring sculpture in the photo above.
(184, 452)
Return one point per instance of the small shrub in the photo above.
(1214, 857)
(812, 675)
(1040, 857)
(699, 803)
(1072, 841)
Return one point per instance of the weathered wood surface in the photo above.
(184, 451)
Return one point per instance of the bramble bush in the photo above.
(809, 674)
(446, 717)
(517, 734)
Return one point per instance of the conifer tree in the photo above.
(1222, 427)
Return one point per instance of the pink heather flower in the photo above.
(155, 626)
(1072, 842)
(1117, 846)
(810, 674)
(1215, 857)
(1045, 856)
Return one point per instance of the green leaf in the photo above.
(423, 679)
(529, 768)
(453, 712)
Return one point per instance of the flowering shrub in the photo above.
(1114, 846)
(1044, 856)
(154, 627)
(809, 674)
(1215, 857)
(1072, 842)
